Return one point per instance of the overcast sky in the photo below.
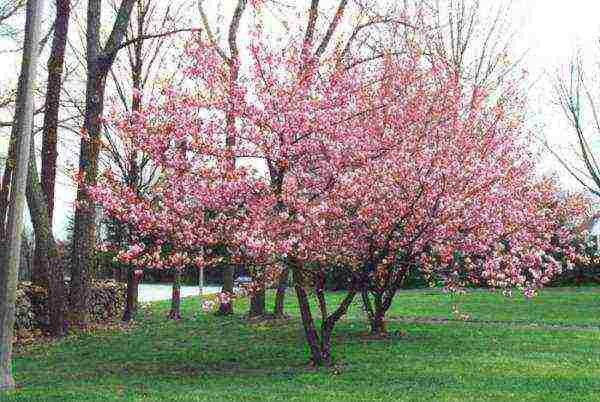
(550, 31)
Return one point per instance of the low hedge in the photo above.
(106, 301)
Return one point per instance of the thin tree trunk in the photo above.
(131, 297)
(175, 313)
(230, 140)
(308, 323)
(378, 325)
(5, 192)
(257, 303)
(377, 322)
(21, 134)
(382, 301)
(132, 178)
(278, 310)
(226, 308)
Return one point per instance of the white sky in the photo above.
(549, 29)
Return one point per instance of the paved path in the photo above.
(153, 292)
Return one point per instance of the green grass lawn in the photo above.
(545, 349)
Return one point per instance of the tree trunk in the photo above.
(131, 298)
(231, 133)
(227, 308)
(21, 135)
(9, 164)
(26, 260)
(319, 342)
(308, 323)
(48, 269)
(278, 310)
(376, 311)
(84, 231)
(175, 314)
(99, 62)
(52, 104)
(377, 323)
(257, 303)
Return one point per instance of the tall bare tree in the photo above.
(99, 61)
(476, 43)
(21, 135)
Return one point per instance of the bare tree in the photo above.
(21, 135)
(99, 61)
(579, 103)
(478, 45)
(40, 195)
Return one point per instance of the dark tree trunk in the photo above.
(319, 342)
(46, 270)
(308, 323)
(377, 321)
(378, 325)
(5, 192)
(84, 232)
(278, 310)
(175, 314)
(52, 104)
(26, 260)
(378, 308)
(257, 303)
(99, 62)
(131, 297)
(47, 266)
(227, 308)
(39, 273)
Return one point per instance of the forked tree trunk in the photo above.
(319, 340)
(175, 313)
(378, 324)
(375, 310)
(99, 61)
(378, 300)
(46, 262)
(278, 310)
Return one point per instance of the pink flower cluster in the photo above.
(370, 167)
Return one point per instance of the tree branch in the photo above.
(152, 36)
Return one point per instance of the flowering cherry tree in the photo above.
(452, 194)
(379, 167)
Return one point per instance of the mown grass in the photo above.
(545, 349)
